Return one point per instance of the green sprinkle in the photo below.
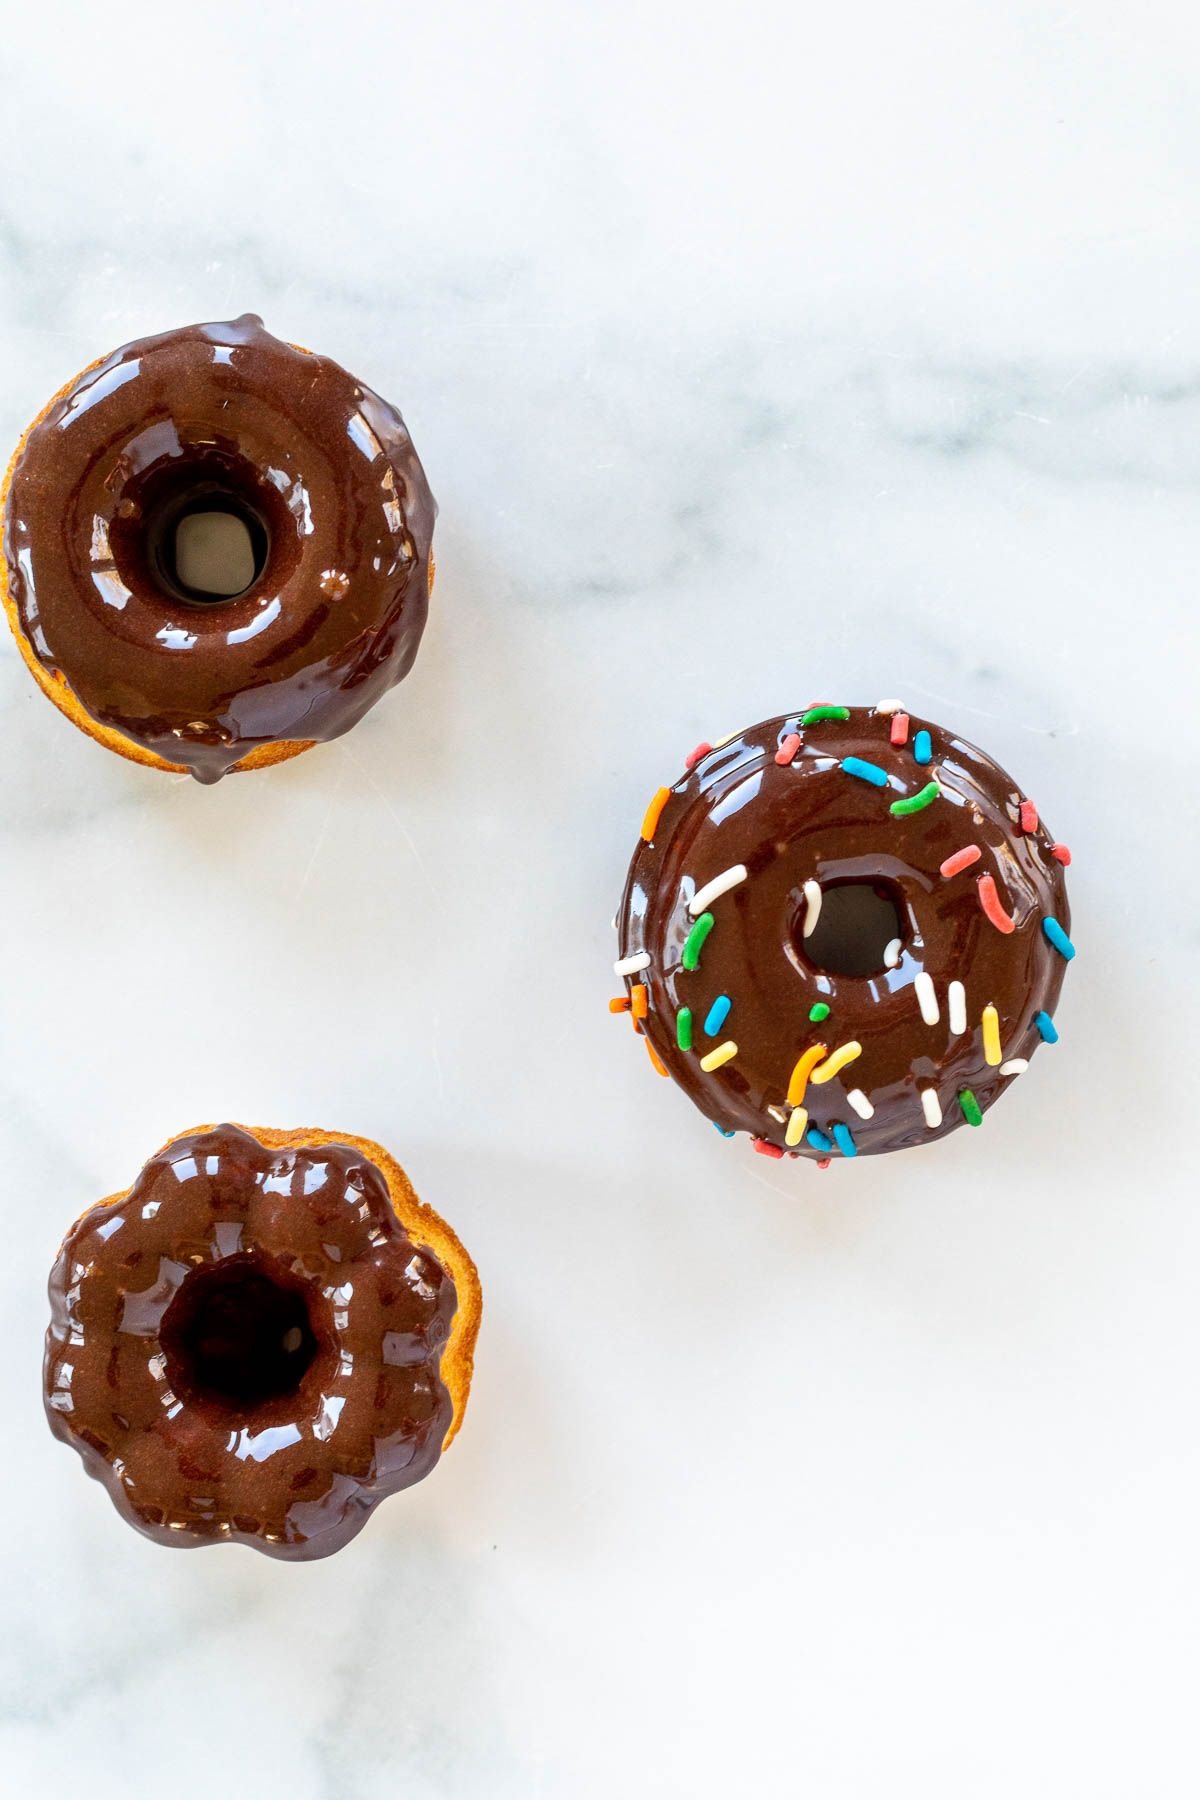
(683, 1028)
(971, 1110)
(916, 802)
(815, 714)
(820, 1011)
(695, 940)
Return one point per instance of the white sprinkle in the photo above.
(629, 965)
(778, 1114)
(931, 1106)
(889, 706)
(812, 895)
(957, 996)
(927, 998)
(860, 1103)
(1017, 1066)
(720, 884)
(891, 955)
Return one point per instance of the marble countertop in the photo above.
(753, 355)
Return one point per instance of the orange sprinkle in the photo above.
(989, 899)
(900, 728)
(620, 1005)
(1029, 817)
(798, 1085)
(655, 1058)
(962, 859)
(788, 748)
(641, 1000)
(654, 813)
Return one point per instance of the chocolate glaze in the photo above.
(810, 820)
(325, 475)
(246, 1347)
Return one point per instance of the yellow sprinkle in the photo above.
(796, 1127)
(835, 1063)
(801, 1073)
(992, 1053)
(654, 813)
(722, 1054)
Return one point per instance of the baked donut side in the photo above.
(261, 1339)
(180, 687)
(738, 985)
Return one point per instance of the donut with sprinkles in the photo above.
(843, 932)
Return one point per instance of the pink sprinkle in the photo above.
(788, 748)
(1061, 854)
(697, 753)
(899, 728)
(766, 1149)
(989, 899)
(962, 859)
(1029, 817)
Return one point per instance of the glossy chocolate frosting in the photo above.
(796, 803)
(245, 1348)
(325, 477)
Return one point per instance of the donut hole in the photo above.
(238, 1336)
(857, 922)
(204, 529)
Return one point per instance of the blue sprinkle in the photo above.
(718, 1012)
(1058, 938)
(721, 1129)
(818, 1140)
(845, 1142)
(1047, 1030)
(922, 747)
(854, 765)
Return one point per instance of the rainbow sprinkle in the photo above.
(844, 1140)
(833, 1065)
(695, 940)
(796, 1127)
(815, 714)
(1016, 1065)
(927, 998)
(862, 1106)
(818, 1012)
(812, 906)
(916, 802)
(720, 884)
(621, 1004)
(718, 1012)
(992, 1053)
(993, 906)
(683, 1028)
(956, 1000)
(717, 1058)
(1058, 938)
(798, 1084)
(690, 761)
(654, 813)
(788, 748)
(972, 1112)
(660, 1068)
(931, 1106)
(766, 1148)
(899, 731)
(1047, 1030)
(865, 771)
(818, 1140)
(962, 859)
(923, 747)
(640, 999)
(720, 1128)
(1028, 816)
(632, 965)
(1061, 854)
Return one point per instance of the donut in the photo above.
(261, 1339)
(843, 932)
(122, 616)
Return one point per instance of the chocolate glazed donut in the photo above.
(729, 932)
(322, 475)
(259, 1341)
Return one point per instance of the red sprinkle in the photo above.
(696, 754)
(899, 728)
(1061, 854)
(962, 859)
(766, 1149)
(823, 1162)
(989, 899)
(788, 748)
(1029, 817)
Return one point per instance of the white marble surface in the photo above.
(754, 354)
